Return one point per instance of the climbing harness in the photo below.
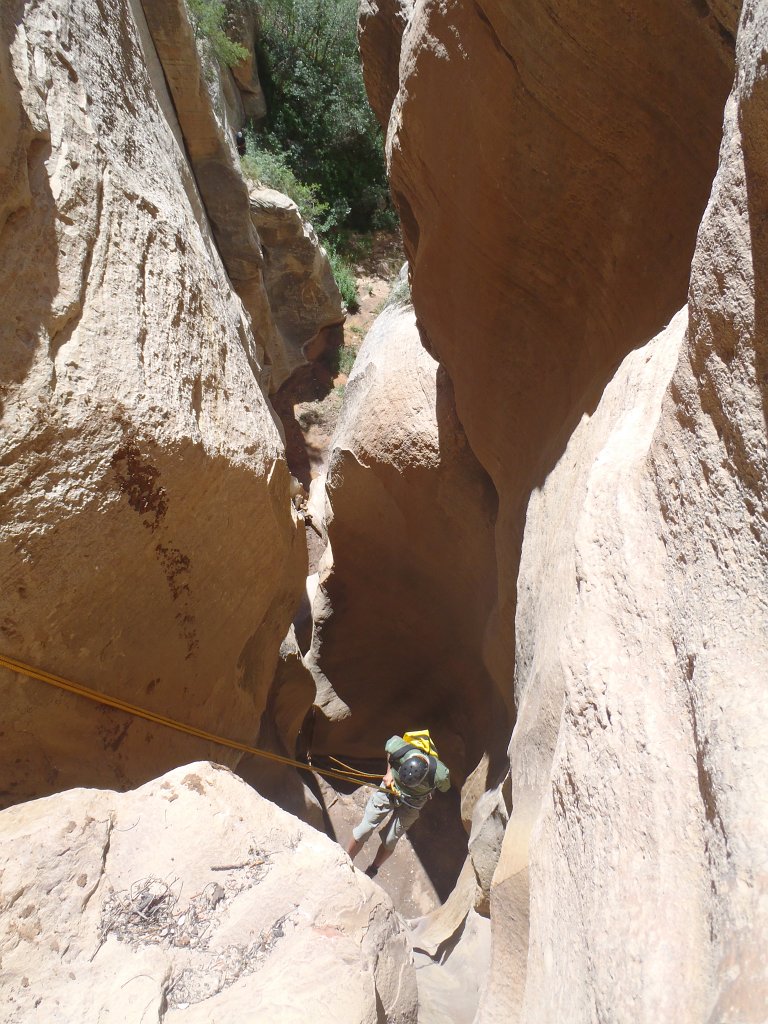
(360, 778)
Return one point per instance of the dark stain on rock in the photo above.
(9, 628)
(176, 566)
(114, 741)
(144, 205)
(139, 480)
(193, 782)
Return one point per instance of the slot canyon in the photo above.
(537, 524)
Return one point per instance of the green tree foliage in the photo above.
(271, 168)
(208, 20)
(318, 112)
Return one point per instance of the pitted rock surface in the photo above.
(190, 899)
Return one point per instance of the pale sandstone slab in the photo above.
(252, 930)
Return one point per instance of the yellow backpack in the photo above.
(420, 738)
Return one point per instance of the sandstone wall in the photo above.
(381, 24)
(551, 165)
(148, 545)
(647, 844)
(304, 298)
(242, 23)
(199, 100)
(399, 618)
(551, 233)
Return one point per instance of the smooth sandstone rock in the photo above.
(398, 620)
(656, 790)
(381, 24)
(632, 878)
(242, 24)
(191, 899)
(550, 230)
(290, 698)
(195, 85)
(148, 548)
(657, 784)
(605, 839)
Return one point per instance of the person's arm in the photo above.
(442, 778)
(393, 743)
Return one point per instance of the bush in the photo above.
(345, 278)
(347, 357)
(318, 112)
(270, 168)
(341, 360)
(208, 18)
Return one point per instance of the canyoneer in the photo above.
(414, 771)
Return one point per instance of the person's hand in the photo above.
(387, 779)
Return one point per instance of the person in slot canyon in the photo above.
(414, 772)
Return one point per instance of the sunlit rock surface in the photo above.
(191, 899)
(551, 164)
(303, 296)
(148, 548)
(551, 234)
(399, 618)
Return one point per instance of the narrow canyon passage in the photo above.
(518, 497)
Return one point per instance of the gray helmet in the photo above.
(413, 770)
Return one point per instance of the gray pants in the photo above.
(380, 804)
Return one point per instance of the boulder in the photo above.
(303, 295)
(149, 549)
(191, 899)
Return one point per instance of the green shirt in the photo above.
(421, 792)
